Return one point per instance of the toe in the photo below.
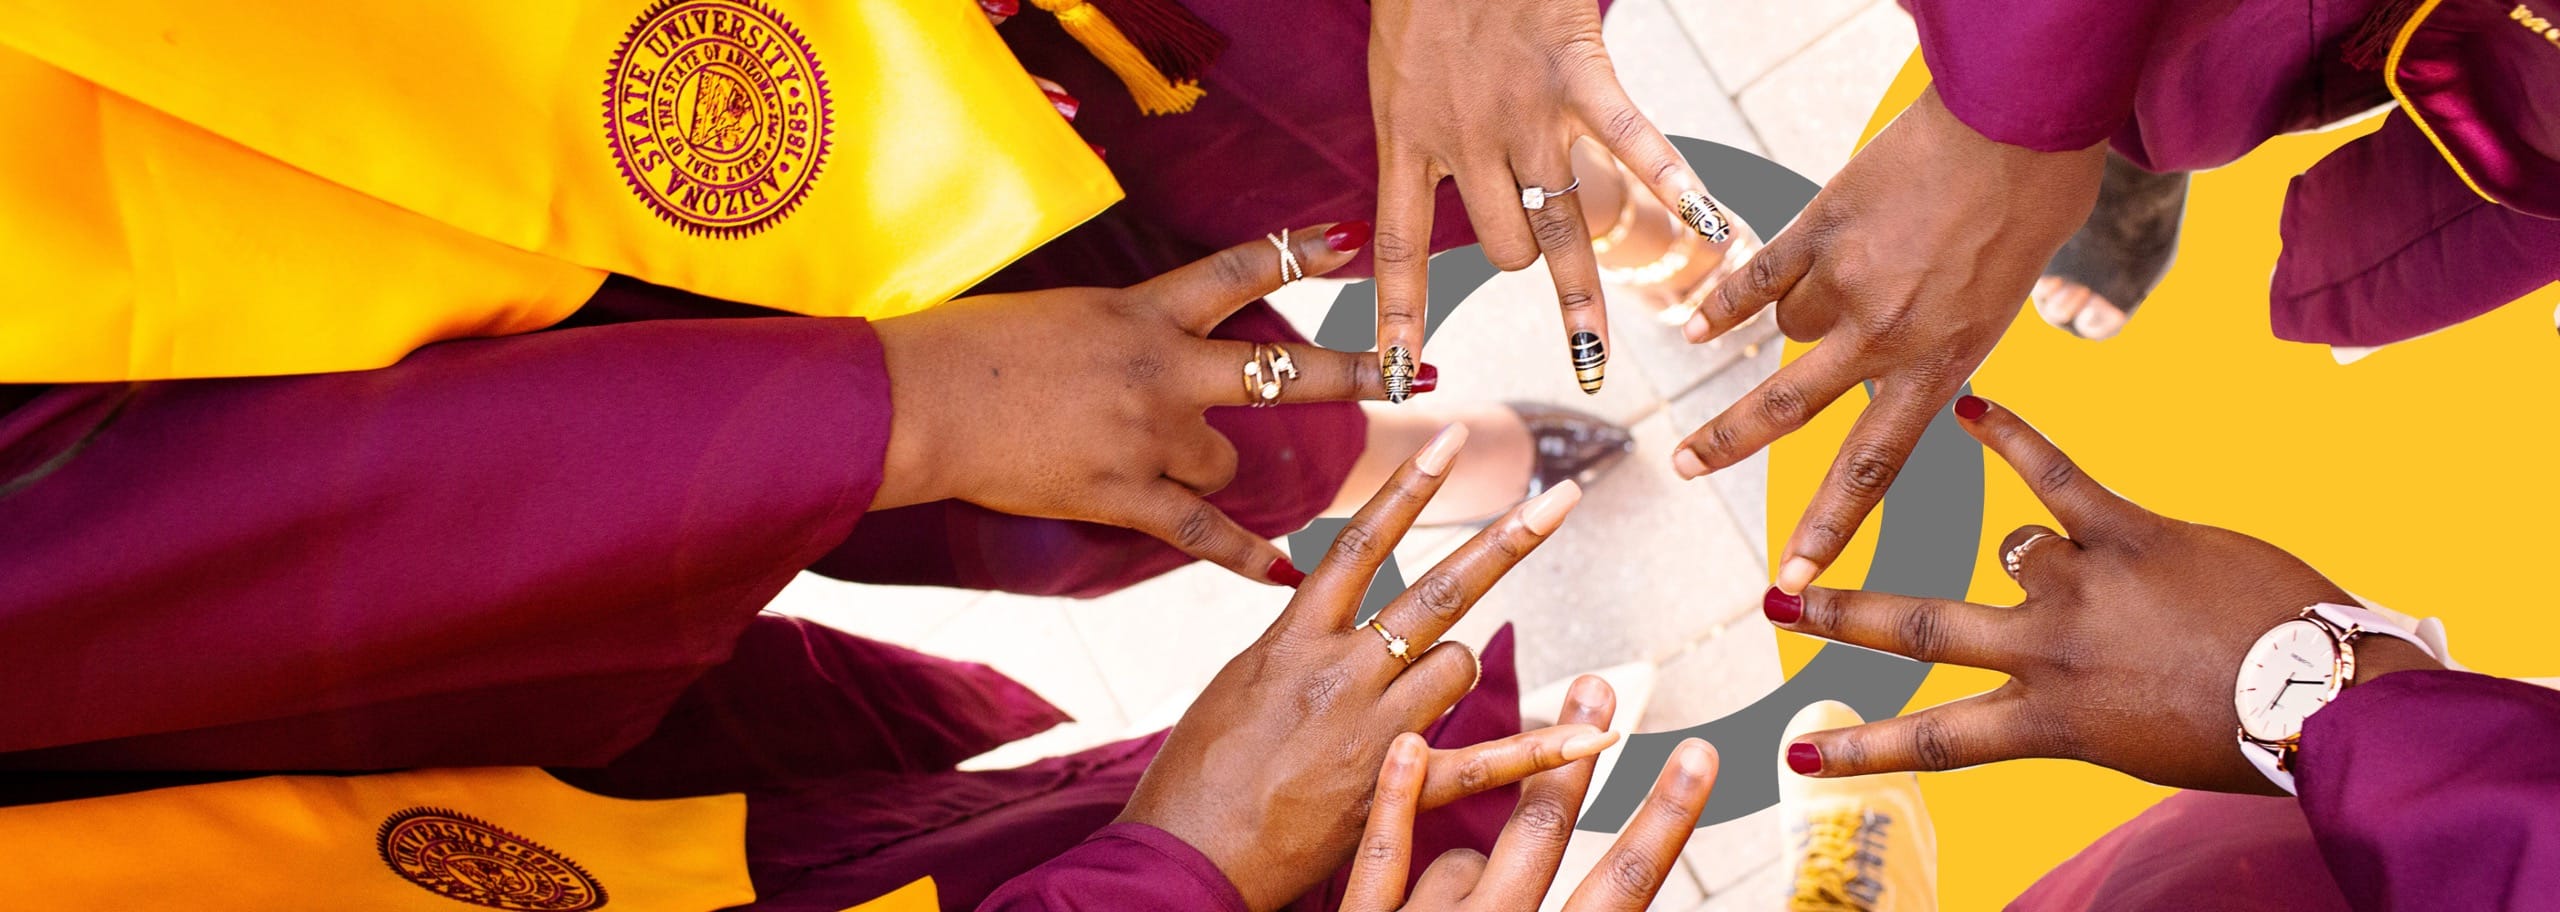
(2098, 319)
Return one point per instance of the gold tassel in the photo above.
(1155, 93)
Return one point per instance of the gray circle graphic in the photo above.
(1929, 529)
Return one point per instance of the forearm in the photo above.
(1125, 867)
(2436, 789)
(574, 503)
(2049, 76)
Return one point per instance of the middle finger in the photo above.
(1425, 611)
(1566, 240)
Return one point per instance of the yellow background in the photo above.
(2418, 478)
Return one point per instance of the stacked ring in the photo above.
(1290, 269)
(1267, 375)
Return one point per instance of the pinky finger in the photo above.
(1386, 848)
(1193, 526)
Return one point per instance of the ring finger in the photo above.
(2033, 550)
(1565, 239)
(1423, 612)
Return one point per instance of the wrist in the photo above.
(2381, 655)
(910, 474)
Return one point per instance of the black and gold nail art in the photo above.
(1397, 366)
(1590, 360)
(1705, 217)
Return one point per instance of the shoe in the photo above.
(1858, 844)
(1569, 445)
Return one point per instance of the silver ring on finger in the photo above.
(2018, 553)
(1534, 198)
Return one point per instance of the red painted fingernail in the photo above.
(1285, 573)
(1781, 607)
(1347, 236)
(1426, 379)
(1970, 408)
(1098, 151)
(1066, 104)
(1005, 8)
(1804, 758)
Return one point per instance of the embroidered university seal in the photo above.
(718, 114)
(458, 856)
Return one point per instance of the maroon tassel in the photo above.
(2370, 47)
(1177, 42)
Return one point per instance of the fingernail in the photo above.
(1693, 759)
(1704, 217)
(1285, 573)
(1098, 151)
(1804, 758)
(1971, 408)
(1781, 607)
(1589, 744)
(1426, 379)
(1001, 8)
(1347, 236)
(1546, 511)
(1407, 751)
(1687, 463)
(1058, 98)
(1796, 574)
(1590, 360)
(1443, 448)
(1587, 693)
(1696, 329)
(1396, 365)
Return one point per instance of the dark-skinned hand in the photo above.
(1523, 865)
(1087, 403)
(1268, 773)
(2124, 653)
(1493, 93)
(1908, 267)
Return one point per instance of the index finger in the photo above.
(1402, 254)
(2084, 506)
(1386, 847)
(1632, 871)
(1201, 294)
(1877, 446)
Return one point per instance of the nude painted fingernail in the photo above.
(1687, 463)
(1588, 744)
(1546, 511)
(1696, 329)
(1436, 455)
(1804, 758)
(1796, 574)
(1590, 361)
(1693, 759)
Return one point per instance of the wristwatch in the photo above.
(2295, 669)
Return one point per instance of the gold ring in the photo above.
(2019, 553)
(1396, 646)
(1266, 376)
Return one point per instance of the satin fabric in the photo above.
(490, 117)
(2484, 85)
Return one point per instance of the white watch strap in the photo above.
(2362, 621)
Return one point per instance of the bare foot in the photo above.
(2104, 272)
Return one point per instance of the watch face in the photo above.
(2292, 671)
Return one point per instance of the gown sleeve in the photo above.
(2436, 790)
(514, 550)
(1124, 867)
(2049, 75)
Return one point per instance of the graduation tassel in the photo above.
(1175, 40)
(1155, 92)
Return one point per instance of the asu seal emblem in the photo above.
(457, 856)
(718, 114)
